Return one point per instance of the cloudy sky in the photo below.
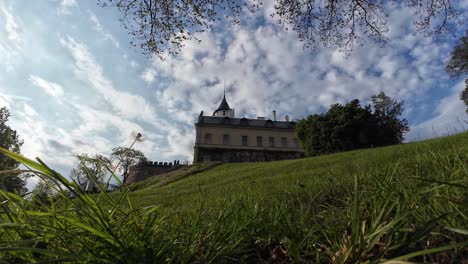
(74, 85)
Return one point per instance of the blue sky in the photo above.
(74, 85)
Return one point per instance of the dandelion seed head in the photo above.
(138, 137)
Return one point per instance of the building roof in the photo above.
(224, 105)
(245, 122)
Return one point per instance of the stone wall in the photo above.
(242, 155)
(145, 170)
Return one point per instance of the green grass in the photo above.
(407, 202)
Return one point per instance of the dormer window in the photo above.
(244, 122)
(269, 123)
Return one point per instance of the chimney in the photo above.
(274, 115)
(286, 118)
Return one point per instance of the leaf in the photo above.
(457, 230)
(431, 250)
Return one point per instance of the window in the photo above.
(226, 139)
(259, 141)
(207, 138)
(284, 142)
(224, 113)
(245, 141)
(271, 142)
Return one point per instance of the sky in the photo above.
(74, 84)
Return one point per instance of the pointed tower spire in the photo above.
(224, 105)
(224, 108)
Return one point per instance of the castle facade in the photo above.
(223, 137)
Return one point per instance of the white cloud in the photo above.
(149, 75)
(4, 101)
(57, 146)
(10, 25)
(29, 111)
(32, 182)
(66, 7)
(7, 99)
(50, 88)
(100, 29)
(124, 103)
(10, 46)
(449, 118)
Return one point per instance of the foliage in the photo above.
(160, 27)
(13, 182)
(458, 65)
(400, 203)
(464, 95)
(387, 112)
(351, 126)
(90, 168)
(46, 189)
(126, 157)
(9, 139)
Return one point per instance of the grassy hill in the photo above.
(400, 167)
(353, 205)
(405, 202)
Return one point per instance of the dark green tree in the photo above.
(91, 169)
(457, 66)
(125, 158)
(387, 111)
(161, 27)
(351, 126)
(341, 128)
(464, 95)
(9, 139)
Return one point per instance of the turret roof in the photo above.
(224, 105)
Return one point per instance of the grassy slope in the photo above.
(328, 174)
(361, 205)
(406, 202)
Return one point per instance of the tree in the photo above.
(341, 128)
(90, 169)
(125, 158)
(351, 126)
(457, 66)
(160, 27)
(387, 112)
(9, 139)
(44, 190)
(464, 95)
